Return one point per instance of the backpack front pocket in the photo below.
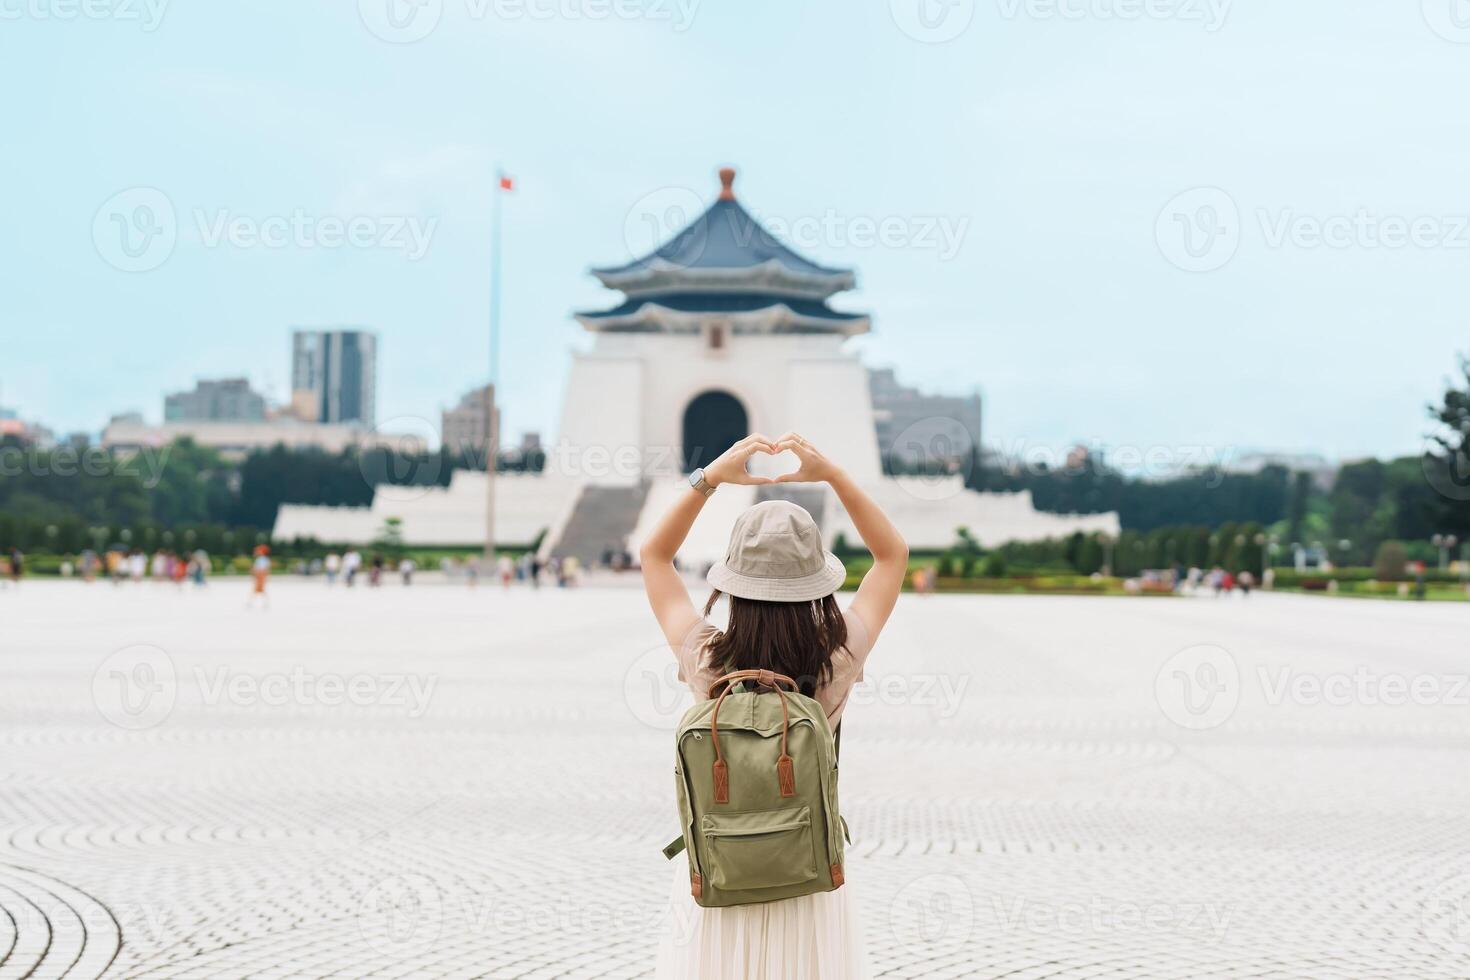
(759, 849)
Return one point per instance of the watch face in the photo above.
(697, 477)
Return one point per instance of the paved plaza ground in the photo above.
(438, 782)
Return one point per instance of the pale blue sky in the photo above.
(1051, 138)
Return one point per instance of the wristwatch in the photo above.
(698, 482)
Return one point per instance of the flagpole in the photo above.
(492, 431)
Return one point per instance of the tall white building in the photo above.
(335, 372)
(720, 332)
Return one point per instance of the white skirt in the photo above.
(814, 937)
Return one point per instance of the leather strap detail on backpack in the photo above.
(837, 878)
(722, 781)
(696, 884)
(786, 775)
(765, 677)
(785, 772)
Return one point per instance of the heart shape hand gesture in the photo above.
(730, 467)
(813, 468)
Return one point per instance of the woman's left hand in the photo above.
(730, 467)
(814, 468)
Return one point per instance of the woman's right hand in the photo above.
(730, 466)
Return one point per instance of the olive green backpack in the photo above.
(757, 780)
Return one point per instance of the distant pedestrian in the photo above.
(331, 566)
(375, 571)
(351, 564)
(507, 570)
(1246, 581)
(260, 573)
(405, 569)
(199, 567)
(17, 565)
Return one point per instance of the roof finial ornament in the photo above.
(727, 183)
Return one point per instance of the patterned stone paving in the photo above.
(439, 782)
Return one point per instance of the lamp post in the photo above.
(492, 433)
(1444, 542)
(1267, 544)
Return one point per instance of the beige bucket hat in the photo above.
(776, 555)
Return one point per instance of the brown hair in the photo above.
(792, 638)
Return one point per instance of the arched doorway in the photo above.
(713, 422)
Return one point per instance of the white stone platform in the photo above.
(436, 781)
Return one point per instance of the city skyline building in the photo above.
(465, 429)
(917, 430)
(222, 400)
(334, 372)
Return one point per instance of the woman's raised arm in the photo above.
(878, 593)
(667, 594)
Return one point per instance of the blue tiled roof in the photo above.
(702, 302)
(725, 236)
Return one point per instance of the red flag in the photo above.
(506, 183)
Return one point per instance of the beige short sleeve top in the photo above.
(847, 664)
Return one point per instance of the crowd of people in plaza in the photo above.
(119, 565)
(349, 567)
(1217, 581)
